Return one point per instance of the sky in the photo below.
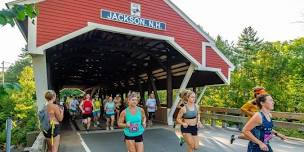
(273, 19)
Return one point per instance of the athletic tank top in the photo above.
(87, 106)
(263, 132)
(96, 105)
(110, 108)
(136, 127)
(190, 114)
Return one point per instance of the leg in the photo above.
(112, 121)
(89, 123)
(98, 118)
(139, 146)
(56, 143)
(189, 141)
(108, 122)
(117, 117)
(149, 119)
(131, 145)
(49, 145)
(196, 142)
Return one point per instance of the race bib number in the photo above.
(134, 127)
(267, 137)
(109, 110)
(87, 109)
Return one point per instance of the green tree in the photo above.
(19, 12)
(20, 105)
(11, 75)
(249, 42)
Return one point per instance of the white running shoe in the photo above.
(112, 128)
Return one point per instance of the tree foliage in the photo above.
(278, 66)
(20, 105)
(13, 72)
(19, 12)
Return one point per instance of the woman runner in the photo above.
(249, 108)
(189, 118)
(55, 116)
(86, 107)
(178, 133)
(96, 110)
(259, 128)
(110, 113)
(135, 119)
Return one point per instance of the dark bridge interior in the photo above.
(118, 63)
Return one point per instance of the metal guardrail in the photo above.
(235, 115)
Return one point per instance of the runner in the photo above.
(73, 108)
(118, 106)
(96, 110)
(86, 108)
(259, 128)
(110, 113)
(135, 119)
(55, 116)
(189, 118)
(68, 102)
(249, 108)
(178, 132)
(151, 108)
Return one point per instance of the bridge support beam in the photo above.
(41, 78)
(198, 100)
(183, 86)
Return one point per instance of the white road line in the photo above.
(85, 146)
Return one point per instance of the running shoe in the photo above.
(181, 141)
(232, 139)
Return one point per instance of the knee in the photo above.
(132, 149)
(195, 147)
(192, 146)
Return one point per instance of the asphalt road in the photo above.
(165, 140)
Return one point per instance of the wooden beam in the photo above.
(169, 89)
(183, 86)
(152, 82)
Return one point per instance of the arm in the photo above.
(70, 105)
(179, 104)
(58, 113)
(252, 123)
(81, 106)
(121, 120)
(105, 107)
(143, 117)
(179, 118)
(283, 137)
(146, 103)
(245, 109)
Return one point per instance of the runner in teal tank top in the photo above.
(135, 119)
(110, 113)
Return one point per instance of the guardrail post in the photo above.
(8, 134)
(203, 120)
(241, 125)
(213, 123)
(224, 123)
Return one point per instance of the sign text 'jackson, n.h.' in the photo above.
(124, 18)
